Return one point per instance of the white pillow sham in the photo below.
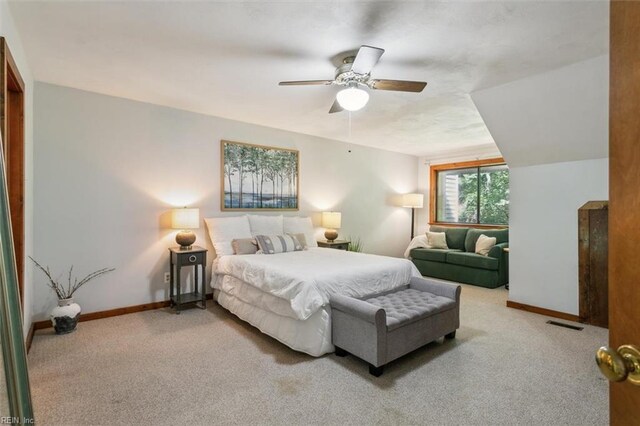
(301, 225)
(266, 225)
(223, 230)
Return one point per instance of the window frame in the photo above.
(433, 190)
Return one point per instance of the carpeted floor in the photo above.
(207, 367)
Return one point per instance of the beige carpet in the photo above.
(208, 367)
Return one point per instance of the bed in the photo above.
(286, 295)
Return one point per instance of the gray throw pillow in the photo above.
(301, 238)
(244, 246)
(272, 244)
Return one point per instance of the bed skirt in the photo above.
(311, 336)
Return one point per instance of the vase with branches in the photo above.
(64, 317)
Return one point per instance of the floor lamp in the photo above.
(414, 201)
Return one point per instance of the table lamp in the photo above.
(185, 219)
(331, 221)
(414, 201)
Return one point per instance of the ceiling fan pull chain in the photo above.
(349, 124)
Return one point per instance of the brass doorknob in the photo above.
(620, 365)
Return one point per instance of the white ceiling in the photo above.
(226, 58)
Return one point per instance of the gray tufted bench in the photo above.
(386, 326)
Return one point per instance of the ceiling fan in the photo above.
(355, 75)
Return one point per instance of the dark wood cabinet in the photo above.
(335, 244)
(196, 257)
(593, 261)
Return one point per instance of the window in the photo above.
(475, 192)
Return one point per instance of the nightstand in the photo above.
(196, 257)
(335, 244)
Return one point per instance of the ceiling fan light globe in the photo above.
(352, 98)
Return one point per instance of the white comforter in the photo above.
(307, 278)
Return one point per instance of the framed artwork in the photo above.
(256, 177)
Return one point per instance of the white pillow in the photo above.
(265, 225)
(437, 240)
(484, 244)
(301, 225)
(223, 230)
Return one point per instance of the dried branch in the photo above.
(89, 277)
(66, 293)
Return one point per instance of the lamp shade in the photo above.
(413, 200)
(331, 220)
(185, 218)
(352, 98)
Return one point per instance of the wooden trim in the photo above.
(542, 311)
(465, 164)
(13, 149)
(39, 325)
(468, 225)
(29, 338)
(433, 188)
(13, 75)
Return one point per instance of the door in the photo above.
(624, 195)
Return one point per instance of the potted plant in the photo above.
(355, 245)
(64, 317)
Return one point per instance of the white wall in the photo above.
(543, 234)
(560, 115)
(9, 32)
(552, 130)
(107, 170)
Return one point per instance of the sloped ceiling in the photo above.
(226, 58)
(561, 115)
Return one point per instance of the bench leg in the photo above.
(341, 352)
(376, 371)
(451, 335)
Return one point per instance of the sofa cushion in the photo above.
(455, 236)
(410, 305)
(437, 240)
(473, 260)
(435, 255)
(485, 244)
(501, 236)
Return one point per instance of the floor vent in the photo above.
(561, 324)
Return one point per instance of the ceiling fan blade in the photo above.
(306, 83)
(366, 59)
(398, 85)
(335, 107)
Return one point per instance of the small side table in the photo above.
(196, 257)
(506, 250)
(335, 244)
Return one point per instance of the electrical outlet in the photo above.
(166, 278)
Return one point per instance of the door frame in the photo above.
(12, 130)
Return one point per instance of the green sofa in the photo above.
(460, 263)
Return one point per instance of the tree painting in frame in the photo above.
(256, 177)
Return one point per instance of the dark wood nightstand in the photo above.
(196, 257)
(335, 244)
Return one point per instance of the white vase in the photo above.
(64, 317)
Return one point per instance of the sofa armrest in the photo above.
(452, 291)
(497, 250)
(358, 308)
